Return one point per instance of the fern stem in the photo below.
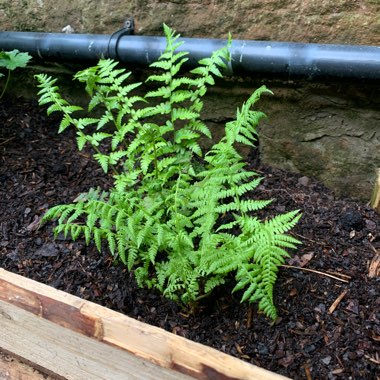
(175, 200)
(155, 161)
(202, 297)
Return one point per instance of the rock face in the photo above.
(326, 131)
(330, 131)
(323, 21)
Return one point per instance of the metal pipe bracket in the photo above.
(127, 30)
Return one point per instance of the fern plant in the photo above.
(164, 216)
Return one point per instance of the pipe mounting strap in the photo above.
(113, 42)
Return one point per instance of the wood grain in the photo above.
(78, 339)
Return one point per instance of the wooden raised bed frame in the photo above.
(71, 338)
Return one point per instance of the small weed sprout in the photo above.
(164, 216)
(12, 60)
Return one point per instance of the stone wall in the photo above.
(323, 21)
(330, 131)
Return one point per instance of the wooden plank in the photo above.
(69, 354)
(78, 339)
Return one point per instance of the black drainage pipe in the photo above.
(264, 58)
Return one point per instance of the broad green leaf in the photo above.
(14, 59)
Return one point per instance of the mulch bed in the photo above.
(329, 328)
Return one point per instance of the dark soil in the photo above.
(40, 168)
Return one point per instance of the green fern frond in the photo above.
(132, 257)
(121, 240)
(199, 126)
(284, 222)
(213, 282)
(103, 161)
(163, 92)
(180, 96)
(98, 234)
(111, 243)
(165, 215)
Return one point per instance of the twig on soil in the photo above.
(318, 272)
(5, 141)
(249, 317)
(374, 266)
(307, 372)
(375, 199)
(374, 249)
(372, 359)
(306, 238)
(337, 301)
(344, 276)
